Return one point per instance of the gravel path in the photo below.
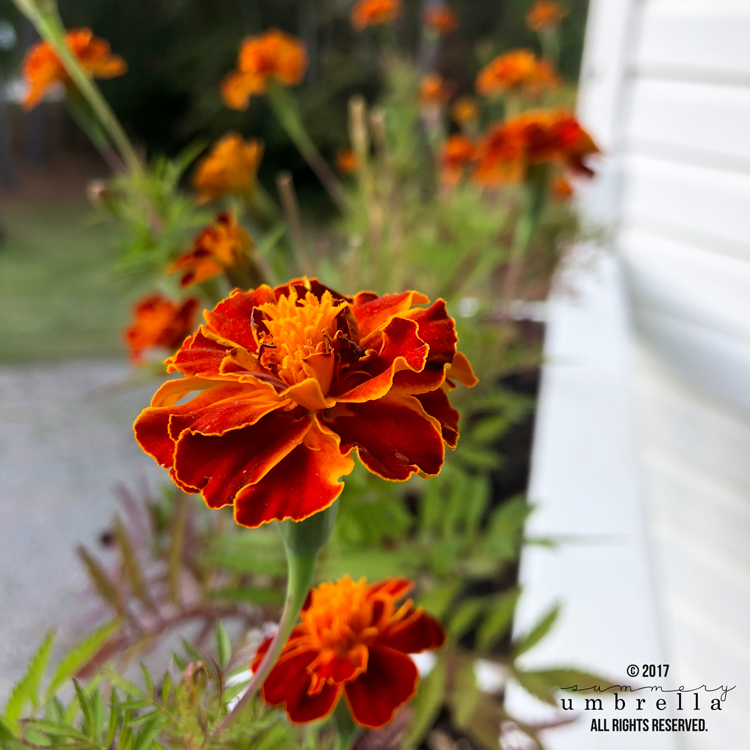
(65, 442)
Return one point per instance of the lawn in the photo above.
(58, 297)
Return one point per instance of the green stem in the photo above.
(346, 730)
(46, 19)
(285, 110)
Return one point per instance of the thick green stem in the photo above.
(346, 730)
(303, 541)
(46, 19)
(285, 109)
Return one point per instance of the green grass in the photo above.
(58, 297)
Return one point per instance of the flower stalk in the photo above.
(45, 16)
(346, 730)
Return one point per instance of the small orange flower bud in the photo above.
(375, 12)
(441, 18)
(544, 14)
(465, 110)
(433, 90)
(346, 161)
(517, 71)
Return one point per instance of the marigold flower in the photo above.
(42, 70)
(273, 55)
(465, 110)
(560, 189)
(231, 166)
(375, 12)
(515, 72)
(433, 90)
(218, 248)
(159, 322)
(346, 161)
(291, 381)
(441, 19)
(535, 137)
(544, 14)
(458, 153)
(353, 641)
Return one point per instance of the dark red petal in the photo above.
(331, 666)
(220, 466)
(232, 318)
(303, 708)
(372, 313)
(416, 631)
(393, 587)
(303, 286)
(390, 680)
(394, 436)
(438, 330)
(199, 355)
(438, 405)
(305, 482)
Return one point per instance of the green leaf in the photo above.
(536, 684)
(176, 540)
(130, 562)
(465, 615)
(81, 655)
(540, 629)
(252, 594)
(426, 706)
(437, 599)
(223, 645)
(86, 707)
(60, 730)
(27, 688)
(498, 619)
(466, 694)
(147, 680)
(101, 581)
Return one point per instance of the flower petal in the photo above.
(232, 319)
(308, 394)
(304, 483)
(373, 312)
(438, 330)
(438, 405)
(220, 466)
(416, 631)
(401, 349)
(394, 436)
(461, 371)
(200, 355)
(390, 680)
(330, 666)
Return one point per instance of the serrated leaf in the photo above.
(81, 655)
(426, 706)
(498, 619)
(223, 645)
(536, 685)
(537, 632)
(466, 614)
(27, 688)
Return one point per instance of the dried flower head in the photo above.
(290, 381)
(535, 137)
(271, 56)
(354, 642)
(230, 167)
(457, 154)
(159, 322)
(42, 70)
(346, 161)
(515, 72)
(218, 248)
(465, 110)
(544, 14)
(375, 12)
(441, 18)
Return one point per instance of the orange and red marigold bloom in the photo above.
(433, 90)
(159, 322)
(441, 18)
(271, 56)
(230, 167)
(375, 12)
(42, 70)
(354, 642)
(458, 154)
(290, 381)
(346, 161)
(544, 14)
(465, 110)
(535, 137)
(218, 248)
(515, 72)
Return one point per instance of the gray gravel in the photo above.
(65, 442)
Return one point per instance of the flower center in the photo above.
(297, 328)
(339, 615)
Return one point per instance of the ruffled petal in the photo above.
(438, 405)
(401, 349)
(373, 312)
(438, 330)
(308, 394)
(394, 436)
(304, 483)
(461, 371)
(200, 355)
(304, 285)
(220, 466)
(390, 680)
(232, 319)
(331, 666)
(413, 632)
